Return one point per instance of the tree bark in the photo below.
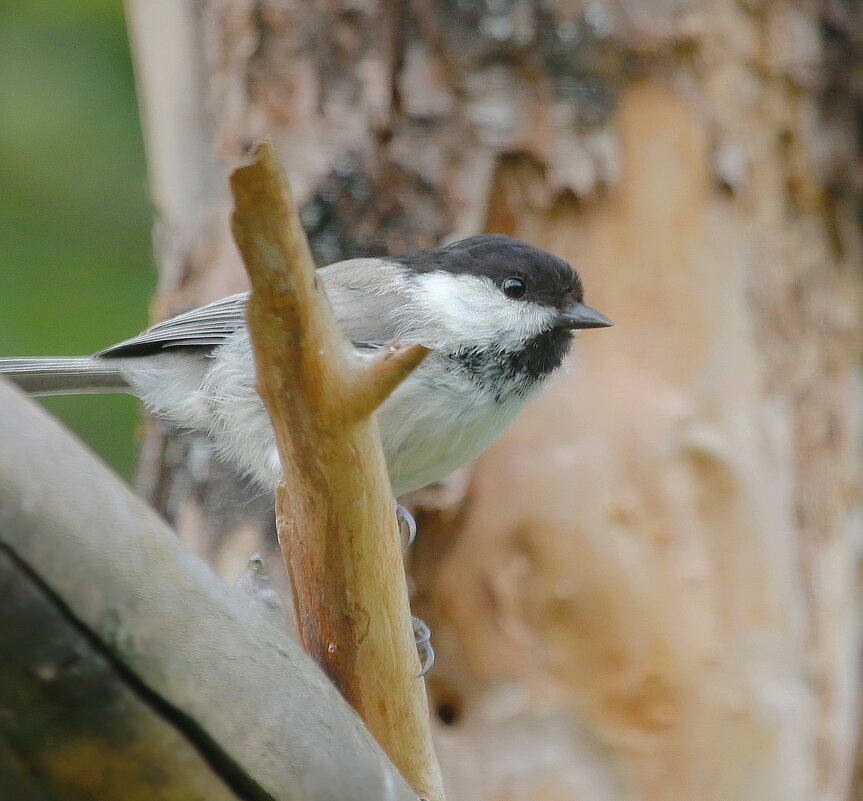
(130, 670)
(646, 589)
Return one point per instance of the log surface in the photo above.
(130, 670)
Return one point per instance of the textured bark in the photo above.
(130, 671)
(218, 514)
(647, 589)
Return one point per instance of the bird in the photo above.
(497, 314)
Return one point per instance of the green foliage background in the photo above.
(75, 257)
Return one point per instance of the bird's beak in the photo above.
(579, 315)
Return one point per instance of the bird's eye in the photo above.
(514, 287)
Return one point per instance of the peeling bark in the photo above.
(647, 589)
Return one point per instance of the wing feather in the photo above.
(204, 327)
(366, 307)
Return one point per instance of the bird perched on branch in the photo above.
(498, 314)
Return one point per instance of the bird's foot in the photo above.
(422, 633)
(422, 637)
(407, 525)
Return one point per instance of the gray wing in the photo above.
(204, 327)
(369, 297)
(365, 297)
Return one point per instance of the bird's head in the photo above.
(495, 291)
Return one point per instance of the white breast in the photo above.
(434, 422)
(432, 425)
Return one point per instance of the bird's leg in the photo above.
(422, 637)
(422, 633)
(407, 525)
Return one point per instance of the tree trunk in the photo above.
(647, 588)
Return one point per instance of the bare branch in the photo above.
(335, 509)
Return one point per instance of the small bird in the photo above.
(497, 313)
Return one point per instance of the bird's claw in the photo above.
(407, 525)
(422, 638)
(422, 633)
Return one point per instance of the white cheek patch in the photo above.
(459, 309)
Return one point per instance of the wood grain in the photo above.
(334, 509)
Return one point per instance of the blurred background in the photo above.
(75, 221)
(649, 588)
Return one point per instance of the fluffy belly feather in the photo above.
(431, 426)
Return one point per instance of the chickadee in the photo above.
(497, 313)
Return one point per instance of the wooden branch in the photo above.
(335, 508)
(130, 670)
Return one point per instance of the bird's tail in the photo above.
(68, 375)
